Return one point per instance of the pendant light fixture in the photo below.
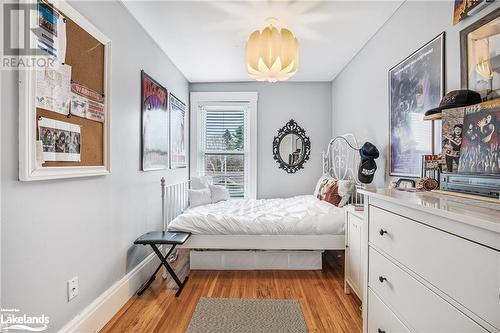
(272, 54)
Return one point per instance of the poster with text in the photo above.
(415, 86)
(178, 133)
(155, 129)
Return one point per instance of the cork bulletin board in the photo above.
(88, 54)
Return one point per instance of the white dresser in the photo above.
(431, 263)
(352, 268)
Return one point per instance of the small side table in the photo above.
(158, 238)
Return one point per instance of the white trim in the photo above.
(28, 167)
(98, 313)
(251, 98)
(265, 242)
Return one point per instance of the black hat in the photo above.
(366, 171)
(456, 99)
(368, 151)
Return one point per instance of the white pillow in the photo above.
(219, 193)
(199, 197)
(345, 190)
(198, 183)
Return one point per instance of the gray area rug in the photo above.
(227, 315)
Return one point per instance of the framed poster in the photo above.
(480, 56)
(479, 150)
(154, 119)
(178, 133)
(416, 85)
(464, 8)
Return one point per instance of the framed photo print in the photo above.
(480, 56)
(178, 133)
(416, 85)
(154, 118)
(479, 150)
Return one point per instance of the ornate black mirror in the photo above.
(291, 147)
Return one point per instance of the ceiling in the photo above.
(206, 39)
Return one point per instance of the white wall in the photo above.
(360, 91)
(309, 104)
(54, 230)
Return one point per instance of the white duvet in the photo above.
(300, 215)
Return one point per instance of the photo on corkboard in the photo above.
(479, 151)
(451, 138)
(155, 124)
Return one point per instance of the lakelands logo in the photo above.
(13, 319)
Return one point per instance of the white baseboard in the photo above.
(93, 318)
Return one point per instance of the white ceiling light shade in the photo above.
(272, 54)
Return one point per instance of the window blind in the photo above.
(225, 145)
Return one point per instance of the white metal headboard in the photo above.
(341, 161)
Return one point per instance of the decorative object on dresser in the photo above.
(431, 263)
(416, 84)
(154, 118)
(352, 268)
(480, 61)
(291, 147)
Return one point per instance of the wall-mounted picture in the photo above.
(415, 86)
(178, 133)
(480, 56)
(451, 138)
(154, 109)
(465, 8)
(479, 151)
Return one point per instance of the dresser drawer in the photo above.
(381, 318)
(465, 271)
(418, 307)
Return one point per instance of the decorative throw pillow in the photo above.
(330, 193)
(345, 190)
(199, 197)
(198, 183)
(321, 182)
(219, 193)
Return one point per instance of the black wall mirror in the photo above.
(291, 147)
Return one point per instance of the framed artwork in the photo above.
(178, 133)
(451, 138)
(479, 151)
(465, 8)
(416, 85)
(154, 119)
(480, 56)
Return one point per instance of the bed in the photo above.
(298, 227)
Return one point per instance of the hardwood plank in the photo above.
(320, 293)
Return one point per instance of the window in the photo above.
(224, 138)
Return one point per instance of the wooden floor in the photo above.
(321, 295)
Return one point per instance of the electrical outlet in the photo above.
(72, 288)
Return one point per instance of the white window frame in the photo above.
(201, 98)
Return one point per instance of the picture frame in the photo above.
(154, 125)
(465, 8)
(479, 61)
(179, 133)
(416, 84)
(31, 167)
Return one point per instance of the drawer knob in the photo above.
(382, 232)
(381, 330)
(382, 279)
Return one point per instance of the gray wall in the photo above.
(309, 104)
(54, 230)
(360, 92)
